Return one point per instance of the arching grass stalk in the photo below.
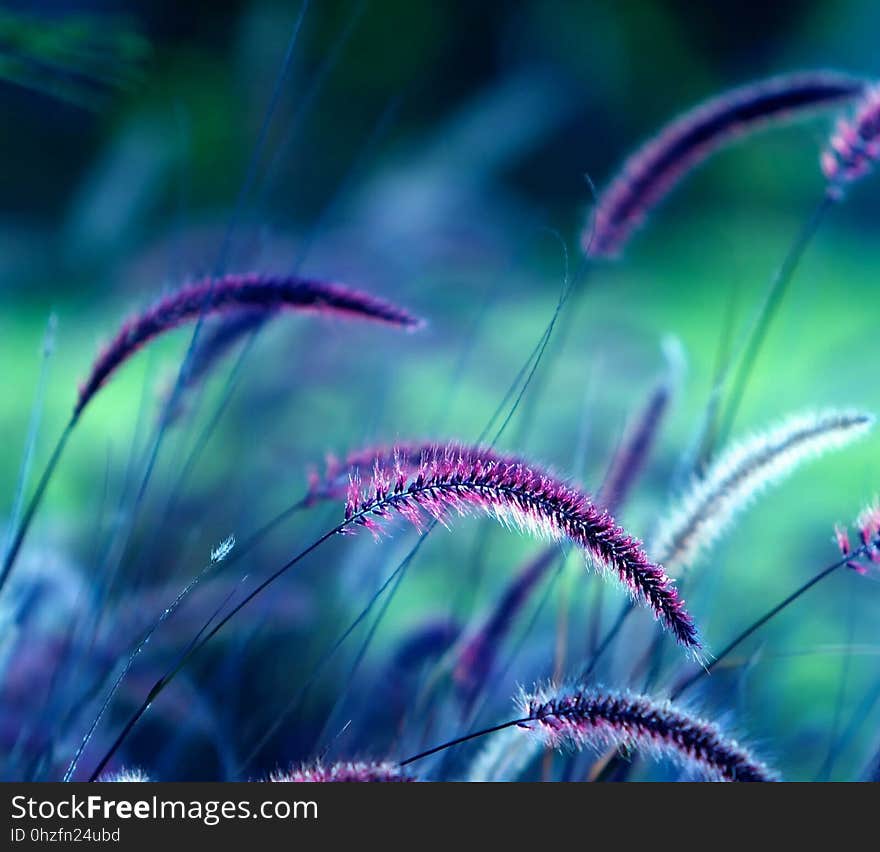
(193, 302)
(365, 514)
(325, 488)
(365, 458)
(649, 174)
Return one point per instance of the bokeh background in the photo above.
(439, 154)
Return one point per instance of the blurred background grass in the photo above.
(428, 152)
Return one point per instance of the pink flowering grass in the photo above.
(212, 296)
(333, 481)
(454, 478)
(594, 718)
(650, 173)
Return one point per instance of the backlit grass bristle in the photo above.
(742, 473)
(584, 717)
(346, 772)
(868, 529)
(332, 483)
(649, 174)
(132, 775)
(455, 478)
(214, 296)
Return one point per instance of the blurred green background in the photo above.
(437, 154)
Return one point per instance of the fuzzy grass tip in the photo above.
(600, 719)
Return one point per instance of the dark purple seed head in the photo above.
(453, 479)
(648, 175)
(213, 296)
(591, 717)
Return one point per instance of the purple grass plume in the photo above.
(333, 482)
(457, 478)
(347, 772)
(594, 718)
(868, 527)
(638, 440)
(213, 296)
(854, 146)
(630, 458)
(653, 170)
(476, 657)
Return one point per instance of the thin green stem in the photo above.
(34, 503)
(758, 334)
(734, 643)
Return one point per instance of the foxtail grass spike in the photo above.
(649, 174)
(455, 478)
(213, 296)
(594, 718)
